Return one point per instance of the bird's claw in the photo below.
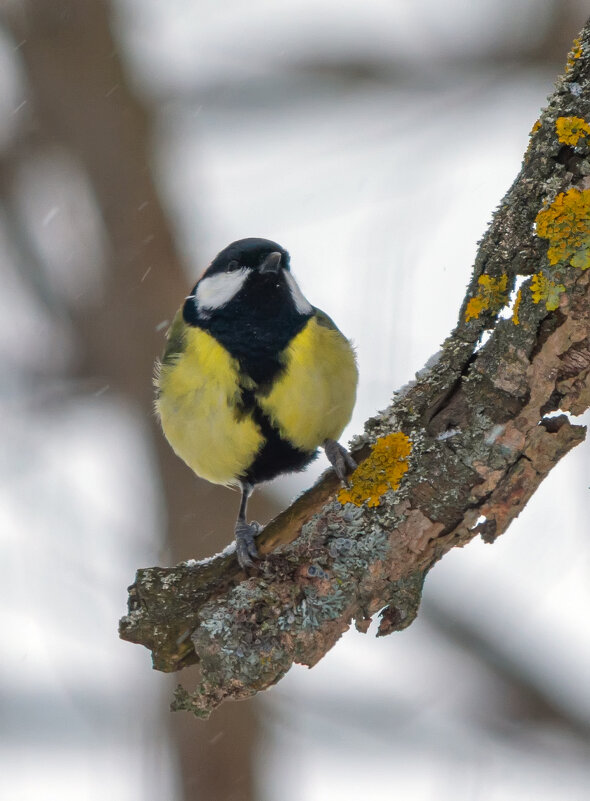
(245, 546)
(340, 459)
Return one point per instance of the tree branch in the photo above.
(457, 454)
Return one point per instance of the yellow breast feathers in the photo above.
(198, 404)
(200, 386)
(313, 398)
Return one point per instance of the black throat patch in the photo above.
(255, 327)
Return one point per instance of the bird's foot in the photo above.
(340, 459)
(245, 545)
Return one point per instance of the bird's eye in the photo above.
(233, 265)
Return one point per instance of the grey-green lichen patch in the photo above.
(314, 608)
(259, 627)
(338, 562)
(353, 553)
(237, 640)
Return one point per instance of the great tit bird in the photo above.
(254, 378)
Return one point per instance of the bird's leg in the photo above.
(245, 532)
(339, 458)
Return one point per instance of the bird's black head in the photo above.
(250, 253)
(249, 277)
(250, 302)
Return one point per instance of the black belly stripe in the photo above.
(277, 455)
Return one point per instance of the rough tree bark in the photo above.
(457, 454)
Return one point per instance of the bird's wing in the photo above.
(175, 342)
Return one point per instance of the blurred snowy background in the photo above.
(373, 140)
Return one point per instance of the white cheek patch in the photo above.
(217, 290)
(302, 305)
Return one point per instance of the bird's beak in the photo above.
(272, 263)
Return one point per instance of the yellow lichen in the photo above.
(570, 129)
(543, 288)
(515, 319)
(532, 132)
(381, 471)
(574, 54)
(474, 308)
(566, 224)
(491, 294)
